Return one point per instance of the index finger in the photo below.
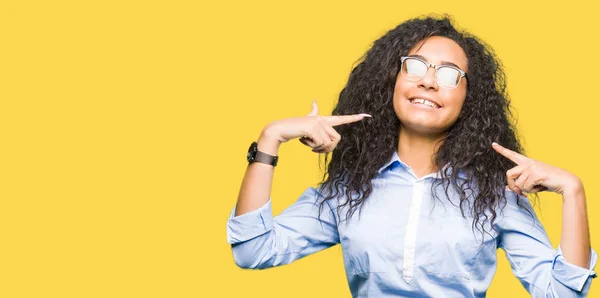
(512, 155)
(344, 119)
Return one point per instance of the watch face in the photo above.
(252, 152)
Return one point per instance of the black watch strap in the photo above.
(266, 158)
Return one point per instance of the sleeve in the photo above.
(259, 240)
(542, 270)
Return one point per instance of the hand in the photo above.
(313, 130)
(532, 176)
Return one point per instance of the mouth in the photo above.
(424, 102)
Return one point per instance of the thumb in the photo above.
(314, 111)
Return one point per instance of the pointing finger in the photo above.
(512, 155)
(345, 119)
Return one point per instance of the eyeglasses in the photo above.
(414, 69)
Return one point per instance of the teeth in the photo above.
(425, 102)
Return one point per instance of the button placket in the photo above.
(411, 231)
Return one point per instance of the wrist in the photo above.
(268, 142)
(573, 190)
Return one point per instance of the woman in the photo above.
(418, 192)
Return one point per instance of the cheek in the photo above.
(456, 100)
(399, 90)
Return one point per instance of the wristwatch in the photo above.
(255, 155)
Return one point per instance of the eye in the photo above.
(414, 68)
(447, 76)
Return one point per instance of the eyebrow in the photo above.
(443, 62)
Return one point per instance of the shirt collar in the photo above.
(392, 162)
(396, 161)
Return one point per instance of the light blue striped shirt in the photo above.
(408, 244)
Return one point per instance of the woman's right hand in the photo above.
(313, 130)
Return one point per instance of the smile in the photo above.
(420, 101)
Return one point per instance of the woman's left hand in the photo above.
(532, 176)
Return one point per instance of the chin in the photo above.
(428, 131)
(423, 128)
(425, 124)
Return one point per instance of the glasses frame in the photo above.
(435, 67)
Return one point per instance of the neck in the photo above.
(417, 150)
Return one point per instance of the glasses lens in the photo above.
(447, 77)
(413, 69)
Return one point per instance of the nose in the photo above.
(428, 81)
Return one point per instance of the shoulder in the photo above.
(515, 203)
(317, 196)
(516, 211)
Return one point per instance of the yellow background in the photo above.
(124, 127)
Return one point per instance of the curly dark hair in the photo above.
(485, 117)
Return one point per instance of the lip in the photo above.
(425, 98)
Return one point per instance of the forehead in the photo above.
(438, 49)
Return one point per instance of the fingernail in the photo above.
(365, 115)
(314, 101)
(495, 144)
